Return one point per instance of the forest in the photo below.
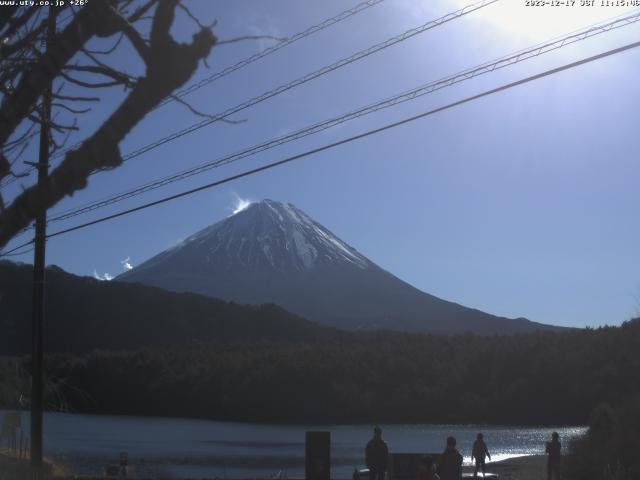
(609, 450)
(545, 378)
(84, 314)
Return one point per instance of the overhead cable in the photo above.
(306, 78)
(353, 138)
(422, 90)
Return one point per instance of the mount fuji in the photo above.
(272, 252)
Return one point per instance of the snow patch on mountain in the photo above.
(265, 234)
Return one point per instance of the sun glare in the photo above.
(540, 20)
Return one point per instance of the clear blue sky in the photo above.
(521, 204)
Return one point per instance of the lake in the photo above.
(173, 447)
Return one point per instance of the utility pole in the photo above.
(37, 374)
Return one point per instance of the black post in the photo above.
(37, 375)
(317, 456)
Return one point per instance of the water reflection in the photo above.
(167, 447)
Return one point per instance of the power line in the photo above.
(299, 81)
(340, 142)
(14, 251)
(352, 138)
(308, 77)
(261, 54)
(19, 254)
(431, 87)
(274, 48)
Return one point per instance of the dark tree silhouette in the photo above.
(28, 65)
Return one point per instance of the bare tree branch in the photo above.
(26, 136)
(5, 166)
(139, 13)
(70, 109)
(17, 156)
(87, 23)
(63, 143)
(112, 71)
(9, 49)
(169, 66)
(16, 24)
(109, 50)
(118, 77)
(197, 112)
(35, 118)
(195, 19)
(75, 98)
(6, 16)
(82, 83)
(131, 33)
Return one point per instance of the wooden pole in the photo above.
(37, 375)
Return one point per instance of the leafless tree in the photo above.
(28, 64)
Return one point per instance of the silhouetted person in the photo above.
(450, 463)
(479, 452)
(376, 455)
(553, 459)
(426, 469)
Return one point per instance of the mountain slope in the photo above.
(274, 253)
(83, 314)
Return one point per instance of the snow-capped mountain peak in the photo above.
(272, 252)
(264, 235)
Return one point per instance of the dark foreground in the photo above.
(521, 468)
(12, 468)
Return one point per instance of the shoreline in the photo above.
(320, 423)
(528, 467)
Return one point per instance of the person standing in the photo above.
(553, 459)
(479, 452)
(377, 455)
(450, 462)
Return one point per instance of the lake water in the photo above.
(171, 447)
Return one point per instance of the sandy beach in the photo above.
(531, 467)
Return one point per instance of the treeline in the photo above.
(609, 450)
(83, 314)
(540, 378)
